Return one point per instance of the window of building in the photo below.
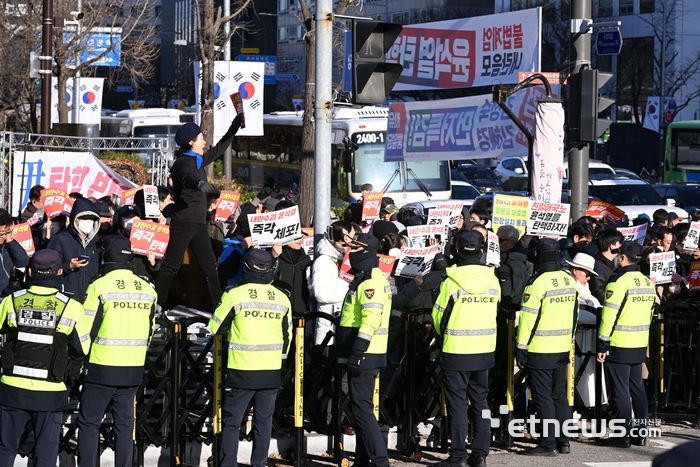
(282, 34)
(647, 6)
(282, 5)
(605, 8)
(158, 10)
(424, 16)
(626, 7)
(406, 17)
(395, 18)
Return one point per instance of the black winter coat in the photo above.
(290, 275)
(12, 256)
(513, 273)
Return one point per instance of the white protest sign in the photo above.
(439, 217)
(270, 228)
(493, 254)
(548, 219)
(691, 240)
(307, 244)
(663, 266)
(635, 234)
(416, 261)
(455, 208)
(420, 235)
(150, 197)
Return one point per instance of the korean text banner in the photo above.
(68, 171)
(462, 128)
(468, 52)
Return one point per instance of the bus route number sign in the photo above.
(370, 137)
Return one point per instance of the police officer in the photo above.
(548, 316)
(362, 343)
(45, 344)
(120, 310)
(465, 314)
(256, 319)
(623, 337)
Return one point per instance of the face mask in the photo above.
(85, 225)
(128, 223)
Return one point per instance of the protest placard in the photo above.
(599, 209)
(386, 265)
(635, 234)
(307, 241)
(510, 210)
(694, 277)
(493, 252)
(128, 195)
(663, 266)
(371, 204)
(277, 227)
(691, 240)
(453, 207)
(56, 202)
(344, 272)
(22, 234)
(416, 261)
(151, 204)
(420, 235)
(226, 206)
(548, 219)
(149, 237)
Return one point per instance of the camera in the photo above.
(77, 15)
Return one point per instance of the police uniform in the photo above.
(363, 336)
(120, 310)
(624, 335)
(548, 317)
(465, 315)
(256, 319)
(46, 339)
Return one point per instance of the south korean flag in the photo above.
(248, 79)
(89, 99)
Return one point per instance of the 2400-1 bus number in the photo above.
(369, 137)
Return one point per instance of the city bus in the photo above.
(358, 146)
(145, 123)
(682, 154)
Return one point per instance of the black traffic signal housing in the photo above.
(373, 78)
(584, 124)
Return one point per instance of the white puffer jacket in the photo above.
(326, 288)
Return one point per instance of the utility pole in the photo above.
(228, 172)
(579, 58)
(662, 103)
(46, 62)
(323, 114)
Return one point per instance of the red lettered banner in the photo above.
(128, 195)
(149, 237)
(371, 206)
(607, 210)
(226, 206)
(22, 234)
(56, 202)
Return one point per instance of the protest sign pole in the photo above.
(579, 58)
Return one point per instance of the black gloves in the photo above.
(355, 363)
(72, 375)
(521, 358)
(432, 280)
(207, 187)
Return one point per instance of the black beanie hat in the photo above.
(116, 249)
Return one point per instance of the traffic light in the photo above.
(586, 104)
(373, 78)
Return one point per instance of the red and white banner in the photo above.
(694, 277)
(22, 234)
(56, 202)
(227, 205)
(371, 205)
(69, 171)
(468, 52)
(149, 237)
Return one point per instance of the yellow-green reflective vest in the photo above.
(548, 314)
(260, 332)
(465, 314)
(627, 313)
(120, 309)
(365, 315)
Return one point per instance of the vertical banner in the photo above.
(347, 62)
(493, 254)
(548, 150)
(653, 111)
(151, 204)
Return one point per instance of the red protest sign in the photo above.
(386, 265)
(694, 277)
(149, 237)
(56, 202)
(128, 195)
(371, 205)
(226, 206)
(22, 234)
(344, 272)
(607, 210)
(237, 100)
